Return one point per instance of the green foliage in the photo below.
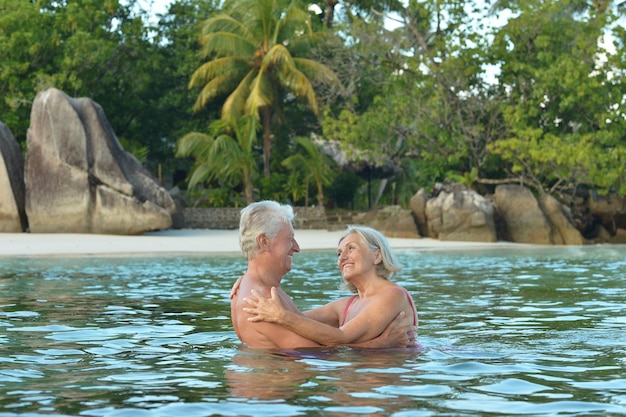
(213, 197)
(104, 50)
(75, 47)
(138, 151)
(225, 155)
(312, 166)
(273, 188)
(466, 178)
(563, 116)
(297, 189)
(344, 190)
(415, 98)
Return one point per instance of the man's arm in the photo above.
(282, 337)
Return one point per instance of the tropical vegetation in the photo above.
(346, 107)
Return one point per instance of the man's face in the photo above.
(283, 246)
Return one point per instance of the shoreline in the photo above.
(194, 241)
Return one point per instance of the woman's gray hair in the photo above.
(389, 266)
(263, 217)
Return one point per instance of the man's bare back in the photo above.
(264, 335)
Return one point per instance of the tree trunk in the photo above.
(267, 140)
(247, 187)
(381, 189)
(329, 13)
(320, 193)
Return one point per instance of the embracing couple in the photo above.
(380, 314)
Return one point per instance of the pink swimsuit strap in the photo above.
(345, 311)
(408, 297)
(354, 297)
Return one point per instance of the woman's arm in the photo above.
(329, 313)
(364, 327)
(396, 335)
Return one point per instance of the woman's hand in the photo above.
(264, 309)
(233, 291)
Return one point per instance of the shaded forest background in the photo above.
(343, 103)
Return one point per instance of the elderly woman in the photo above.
(367, 264)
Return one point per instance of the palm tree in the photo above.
(257, 57)
(314, 166)
(225, 154)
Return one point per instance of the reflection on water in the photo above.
(527, 332)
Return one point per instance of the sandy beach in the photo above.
(187, 241)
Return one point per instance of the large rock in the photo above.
(560, 218)
(418, 207)
(520, 211)
(609, 210)
(619, 237)
(80, 180)
(392, 221)
(12, 211)
(459, 214)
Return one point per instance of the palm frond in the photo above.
(226, 148)
(260, 92)
(200, 174)
(317, 71)
(217, 86)
(224, 23)
(227, 44)
(232, 66)
(289, 76)
(194, 143)
(258, 16)
(247, 128)
(294, 24)
(235, 105)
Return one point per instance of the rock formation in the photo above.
(418, 207)
(560, 218)
(520, 211)
(610, 213)
(452, 212)
(392, 221)
(12, 211)
(460, 214)
(79, 179)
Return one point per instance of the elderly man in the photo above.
(267, 241)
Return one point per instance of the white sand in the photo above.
(187, 241)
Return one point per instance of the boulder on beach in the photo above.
(78, 179)
(12, 211)
(525, 221)
(460, 214)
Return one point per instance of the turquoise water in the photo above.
(533, 332)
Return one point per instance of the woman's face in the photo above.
(354, 257)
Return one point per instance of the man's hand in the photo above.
(397, 336)
(264, 309)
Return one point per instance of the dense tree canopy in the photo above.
(565, 96)
(420, 91)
